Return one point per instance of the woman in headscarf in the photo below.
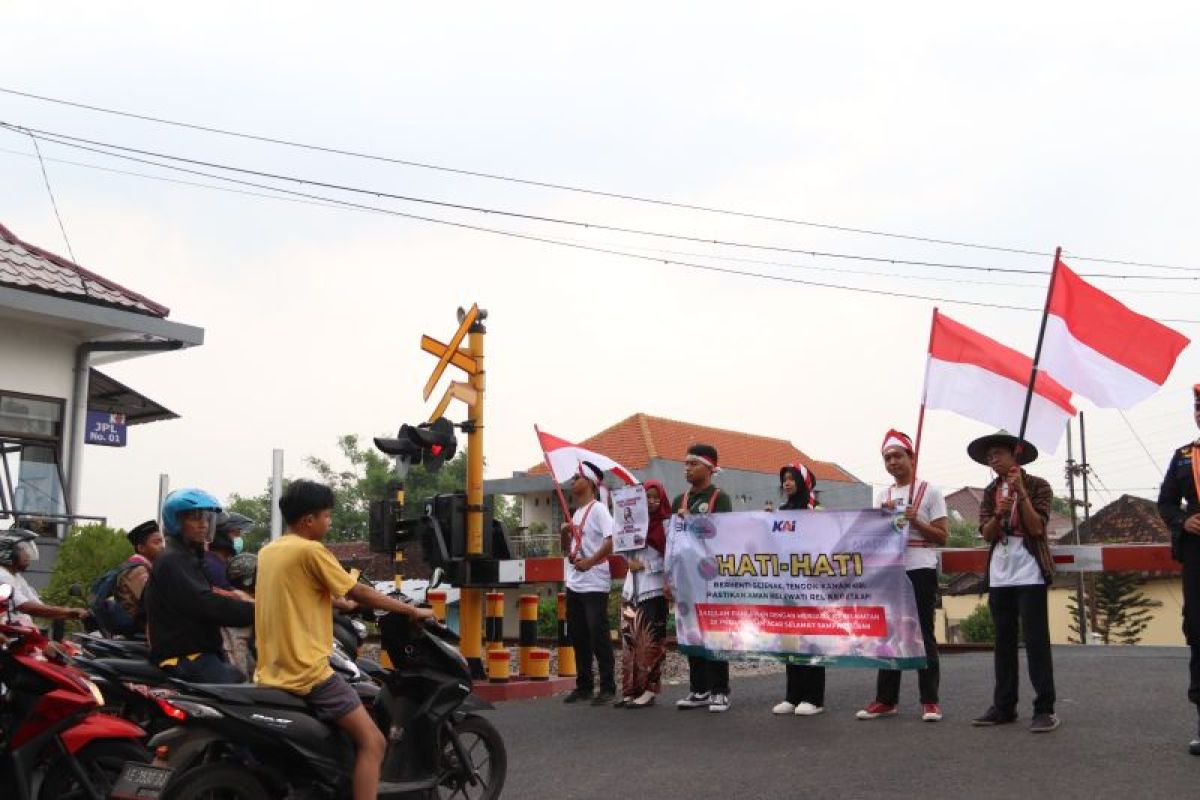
(805, 683)
(644, 612)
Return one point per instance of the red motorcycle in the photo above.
(50, 728)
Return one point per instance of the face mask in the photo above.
(238, 545)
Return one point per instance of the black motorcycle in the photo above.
(252, 743)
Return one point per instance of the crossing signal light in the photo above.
(437, 441)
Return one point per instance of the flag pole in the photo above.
(562, 501)
(921, 416)
(1037, 353)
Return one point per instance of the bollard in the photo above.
(566, 653)
(497, 665)
(493, 628)
(527, 605)
(470, 621)
(539, 664)
(437, 604)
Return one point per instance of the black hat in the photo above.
(138, 534)
(1024, 451)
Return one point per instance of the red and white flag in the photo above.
(976, 376)
(1098, 348)
(564, 458)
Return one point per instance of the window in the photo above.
(31, 436)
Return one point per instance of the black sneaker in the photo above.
(603, 698)
(1194, 746)
(993, 716)
(1044, 723)
(577, 695)
(694, 700)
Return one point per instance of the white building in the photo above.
(57, 322)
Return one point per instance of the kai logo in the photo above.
(783, 526)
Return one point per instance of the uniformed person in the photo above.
(1180, 509)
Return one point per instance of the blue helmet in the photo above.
(183, 500)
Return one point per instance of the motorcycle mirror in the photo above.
(75, 590)
(435, 580)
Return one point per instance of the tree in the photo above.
(963, 533)
(978, 626)
(364, 477)
(86, 553)
(1118, 610)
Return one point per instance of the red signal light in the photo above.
(435, 450)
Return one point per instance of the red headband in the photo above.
(895, 438)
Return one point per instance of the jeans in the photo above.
(805, 684)
(208, 668)
(708, 676)
(887, 685)
(587, 624)
(1189, 547)
(1022, 608)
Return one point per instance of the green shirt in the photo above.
(700, 502)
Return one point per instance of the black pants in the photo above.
(887, 685)
(708, 676)
(805, 684)
(1189, 548)
(587, 623)
(1025, 605)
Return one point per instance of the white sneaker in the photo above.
(720, 703)
(784, 708)
(694, 700)
(808, 710)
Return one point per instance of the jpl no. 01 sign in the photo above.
(107, 430)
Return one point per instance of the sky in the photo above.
(1042, 126)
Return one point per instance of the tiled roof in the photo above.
(966, 502)
(1126, 520)
(636, 440)
(30, 268)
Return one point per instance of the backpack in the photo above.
(112, 618)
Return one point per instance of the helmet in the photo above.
(11, 539)
(241, 571)
(186, 500)
(233, 523)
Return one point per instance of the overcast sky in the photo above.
(1028, 127)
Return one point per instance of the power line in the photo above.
(574, 189)
(1145, 449)
(548, 240)
(67, 140)
(54, 203)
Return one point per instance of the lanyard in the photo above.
(712, 501)
(578, 531)
(919, 540)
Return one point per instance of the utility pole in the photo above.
(1080, 611)
(1087, 508)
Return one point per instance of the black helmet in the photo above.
(233, 523)
(241, 571)
(10, 539)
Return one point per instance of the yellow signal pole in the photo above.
(471, 601)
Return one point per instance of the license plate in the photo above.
(140, 782)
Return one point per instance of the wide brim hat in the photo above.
(1025, 452)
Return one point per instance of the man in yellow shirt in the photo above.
(293, 622)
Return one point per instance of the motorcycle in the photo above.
(252, 743)
(50, 726)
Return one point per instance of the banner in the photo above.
(631, 518)
(826, 588)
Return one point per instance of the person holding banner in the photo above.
(919, 512)
(644, 615)
(1179, 507)
(708, 680)
(805, 694)
(1012, 519)
(587, 540)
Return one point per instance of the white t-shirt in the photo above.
(918, 554)
(1013, 565)
(595, 524)
(22, 593)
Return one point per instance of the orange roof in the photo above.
(637, 439)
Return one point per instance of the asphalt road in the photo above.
(1126, 724)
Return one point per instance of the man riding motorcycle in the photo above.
(184, 614)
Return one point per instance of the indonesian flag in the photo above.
(564, 459)
(1100, 349)
(973, 375)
